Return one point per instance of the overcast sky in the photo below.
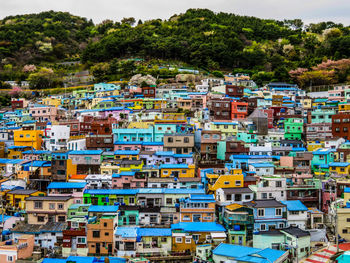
(99, 10)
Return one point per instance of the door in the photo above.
(196, 218)
(98, 250)
(74, 243)
(110, 249)
(240, 240)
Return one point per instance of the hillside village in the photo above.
(220, 171)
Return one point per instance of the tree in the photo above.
(100, 71)
(45, 78)
(128, 20)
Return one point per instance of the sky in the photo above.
(310, 11)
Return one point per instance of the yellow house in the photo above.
(31, 138)
(307, 103)
(226, 128)
(313, 146)
(71, 169)
(52, 101)
(16, 152)
(343, 107)
(109, 168)
(176, 116)
(43, 209)
(177, 170)
(140, 124)
(130, 165)
(16, 198)
(343, 225)
(126, 155)
(159, 104)
(339, 168)
(216, 181)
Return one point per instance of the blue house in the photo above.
(234, 253)
(268, 214)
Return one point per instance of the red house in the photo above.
(239, 110)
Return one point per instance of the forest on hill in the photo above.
(269, 50)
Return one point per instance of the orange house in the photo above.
(21, 249)
(100, 235)
(198, 208)
(186, 236)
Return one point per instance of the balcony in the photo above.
(239, 219)
(74, 232)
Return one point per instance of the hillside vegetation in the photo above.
(267, 49)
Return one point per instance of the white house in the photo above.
(58, 136)
(77, 145)
(272, 187)
(262, 169)
(296, 213)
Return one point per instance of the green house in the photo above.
(110, 196)
(293, 128)
(78, 211)
(129, 215)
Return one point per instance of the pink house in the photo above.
(197, 97)
(134, 146)
(11, 251)
(338, 93)
(44, 113)
(128, 180)
(75, 190)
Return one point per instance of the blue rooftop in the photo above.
(149, 232)
(248, 254)
(111, 191)
(173, 166)
(294, 205)
(126, 152)
(66, 185)
(198, 227)
(104, 208)
(126, 232)
(86, 152)
(260, 165)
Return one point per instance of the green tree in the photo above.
(45, 78)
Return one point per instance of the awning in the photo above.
(218, 235)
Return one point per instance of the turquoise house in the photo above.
(322, 116)
(247, 137)
(128, 215)
(322, 158)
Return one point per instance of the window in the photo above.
(345, 231)
(74, 224)
(38, 205)
(278, 211)
(188, 240)
(238, 183)
(81, 240)
(280, 225)
(186, 140)
(278, 184)
(106, 233)
(261, 212)
(169, 201)
(226, 183)
(52, 206)
(170, 139)
(96, 234)
(348, 220)
(60, 206)
(41, 218)
(178, 240)
(61, 218)
(9, 258)
(264, 196)
(262, 227)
